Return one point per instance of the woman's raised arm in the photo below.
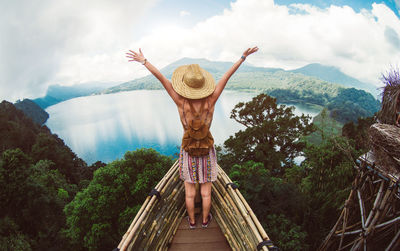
(139, 57)
(222, 82)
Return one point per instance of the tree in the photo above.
(101, 213)
(358, 132)
(279, 206)
(50, 147)
(327, 183)
(33, 198)
(271, 134)
(285, 234)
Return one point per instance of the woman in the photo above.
(194, 92)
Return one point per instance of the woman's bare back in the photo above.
(185, 112)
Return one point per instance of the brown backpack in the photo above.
(197, 138)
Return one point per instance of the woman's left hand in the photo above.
(139, 57)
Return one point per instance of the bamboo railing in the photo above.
(155, 224)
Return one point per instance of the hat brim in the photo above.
(189, 92)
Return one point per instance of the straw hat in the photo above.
(192, 81)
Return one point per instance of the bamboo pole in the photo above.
(391, 245)
(236, 221)
(243, 210)
(378, 198)
(244, 214)
(361, 203)
(142, 215)
(326, 243)
(156, 222)
(230, 216)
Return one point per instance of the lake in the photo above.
(104, 127)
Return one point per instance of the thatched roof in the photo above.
(390, 94)
(385, 144)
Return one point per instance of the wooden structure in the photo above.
(199, 239)
(370, 219)
(161, 224)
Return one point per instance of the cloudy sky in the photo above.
(47, 42)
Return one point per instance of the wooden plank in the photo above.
(220, 246)
(199, 239)
(198, 235)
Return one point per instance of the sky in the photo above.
(47, 42)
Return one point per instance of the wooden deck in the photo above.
(201, 239)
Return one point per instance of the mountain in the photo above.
(217, 69)
(334, 75)
(58, 93)
(32, 110)
(346, 97)
(251, 78)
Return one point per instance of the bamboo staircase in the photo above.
(161, 224)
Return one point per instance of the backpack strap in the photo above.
(208, 110)
(184, 116)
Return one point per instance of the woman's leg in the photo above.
(190, 193)
(205, 189)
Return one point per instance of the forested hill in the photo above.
(334, 75)
(32, 110)
(58, 93)
(256, 78)
(39, 175)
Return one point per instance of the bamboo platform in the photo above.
(161, 222)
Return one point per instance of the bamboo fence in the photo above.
(370, 218)
(155, 224)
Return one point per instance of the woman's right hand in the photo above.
(139, 57)
(250, 51)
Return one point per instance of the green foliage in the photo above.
(30, 199)
(100, 214)
(345, 104)
(327, 182)
(19, 131)
(271, 134)
(53, 148)
(16, 130)
(350, 104)
(32, 110)
(299, 204)
(277, 204)
(325, 127)
(39, 175)
(300, 94)
(287, 234)
(261, 189)
(11, 237)
(358, 132)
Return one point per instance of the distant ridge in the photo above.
(59, 93)
(249, 77)
(216, 68)
(334, 75)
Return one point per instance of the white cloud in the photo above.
(63, 42)
(288, 37)
(68, 42)
(183, 13)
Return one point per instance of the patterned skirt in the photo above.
(198, 169)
